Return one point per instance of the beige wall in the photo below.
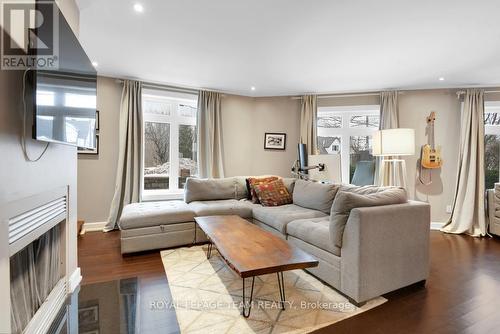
(97, 173)
(245, 121)
(414, 107)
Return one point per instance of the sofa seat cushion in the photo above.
(221, 208)
(146, 214)
(279, 216)
(314, 231)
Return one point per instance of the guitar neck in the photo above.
(431, 136)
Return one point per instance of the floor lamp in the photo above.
(390, 144)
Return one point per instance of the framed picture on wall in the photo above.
(87, 151)
(274, 141)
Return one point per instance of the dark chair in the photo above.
(364, 173)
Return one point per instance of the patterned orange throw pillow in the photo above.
(273, 193)
(254, 181)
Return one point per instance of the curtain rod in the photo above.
(164, 87)
(462, 92)
(172, 88)
(339, 95)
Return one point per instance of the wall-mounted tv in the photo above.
(64, 100)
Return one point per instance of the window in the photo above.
(491, 143)
(169, 143)
(348, 131)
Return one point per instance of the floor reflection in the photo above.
(138, 305)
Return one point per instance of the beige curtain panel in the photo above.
(128, 173)
(389, 119)
(308, 120)
(209, 128)
(468, 214)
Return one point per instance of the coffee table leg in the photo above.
(249, 308)
(281, 286)
(209, 250)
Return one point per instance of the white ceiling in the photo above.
(285, 47)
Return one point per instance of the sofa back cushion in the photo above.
(241, 187)
(350, 197)
(210, 189)
(289, 183)
(273, 193)
(314, 195)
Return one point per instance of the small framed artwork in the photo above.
(274, 141)
(87, 151)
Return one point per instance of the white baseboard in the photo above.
(437, 225)
(74, 280)
(93, 227)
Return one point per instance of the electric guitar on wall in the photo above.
(430, 155)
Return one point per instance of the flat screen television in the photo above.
(64, 100)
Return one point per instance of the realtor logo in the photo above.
(30, 35)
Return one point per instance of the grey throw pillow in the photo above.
(351, 198)
(314, 195)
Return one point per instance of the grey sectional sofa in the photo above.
(378, 249)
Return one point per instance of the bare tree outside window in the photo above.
(334, 121)
(157, 142)
(491, 118)
(364, 121)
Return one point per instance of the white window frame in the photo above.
(345, 131)
(175, 120)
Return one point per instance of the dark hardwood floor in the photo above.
(100, 259)
(462, 294)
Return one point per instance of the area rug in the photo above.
(207, 297)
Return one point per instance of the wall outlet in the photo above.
(449, 208)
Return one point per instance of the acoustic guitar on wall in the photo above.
(430, 155)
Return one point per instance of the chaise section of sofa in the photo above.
(165, 224)
(152, 225)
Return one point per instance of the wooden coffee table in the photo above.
(251, 251)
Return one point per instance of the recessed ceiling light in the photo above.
(95, 64)
(252, 88)
(441, 79)
(138, 8)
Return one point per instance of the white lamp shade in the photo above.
(390, 142)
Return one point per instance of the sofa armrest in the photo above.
(385, 248)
